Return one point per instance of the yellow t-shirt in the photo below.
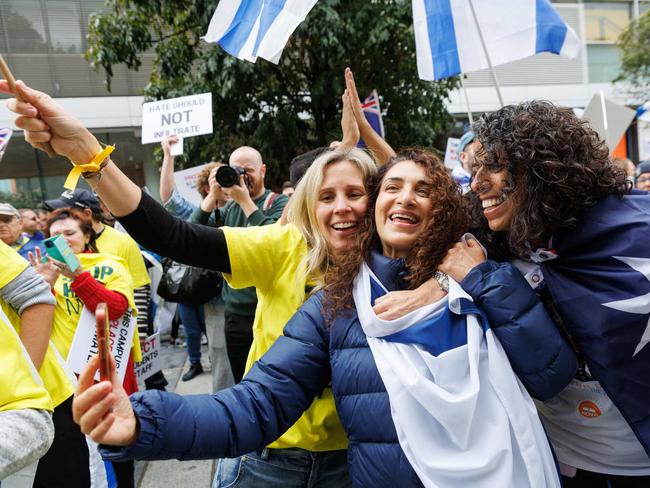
(109, 271)
(119, 244)
(55, 378)
(20, 385)
(270, 259)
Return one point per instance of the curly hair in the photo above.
(447, 221)
(557, 167)
(202, 179)
(85, 223)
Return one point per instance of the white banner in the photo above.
(151, 357)
(84, 343)
(451, 154)
(185, 181)
(184, 116)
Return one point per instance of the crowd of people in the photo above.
(387, 322)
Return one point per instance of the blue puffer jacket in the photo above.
(300, 364)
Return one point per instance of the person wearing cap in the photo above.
(643, 175)
(11, 231)
(462, 172)
(111, 241)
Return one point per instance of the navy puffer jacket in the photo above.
(301, 364)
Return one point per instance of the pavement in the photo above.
(198, 474)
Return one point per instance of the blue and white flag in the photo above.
(462, 416)
(448, 43)
(600, 283)
(372, 113)
(248, 29)
(643, 112)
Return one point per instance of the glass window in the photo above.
(64, 21)
(603, 62)
(23, 20)
(605, 21)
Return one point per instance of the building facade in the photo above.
(43, 42)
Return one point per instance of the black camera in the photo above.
(228, 176)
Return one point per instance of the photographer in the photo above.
(251, 204)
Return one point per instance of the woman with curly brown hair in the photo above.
(550, 204)
(416, 214)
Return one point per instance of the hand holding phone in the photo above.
(57, 248)
(103, 342)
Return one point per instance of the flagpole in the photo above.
(487, 56)
(469, 110)
(603, 107)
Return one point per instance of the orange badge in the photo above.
(589, 409)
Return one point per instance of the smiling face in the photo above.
(402, 208)
(71, 232)
(341, 206)
(498, 207)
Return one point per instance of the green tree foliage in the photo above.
(634, 43)
(286, 109)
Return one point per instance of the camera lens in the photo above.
(227, 176)
(49, 244)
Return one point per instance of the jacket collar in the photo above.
(391, 272)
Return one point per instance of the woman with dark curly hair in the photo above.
(549, 202)
(417, 212)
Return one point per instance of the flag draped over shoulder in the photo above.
(600, 283)
(448, 43)
(461, 415)
(248, 29)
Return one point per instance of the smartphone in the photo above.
(103, 342)
(58, 249)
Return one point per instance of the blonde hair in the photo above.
(301, 207)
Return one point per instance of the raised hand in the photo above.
(103, 410)
(167, 143)
(349, 125)
(43, 120)
(48, 270)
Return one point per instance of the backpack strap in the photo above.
(270, 198)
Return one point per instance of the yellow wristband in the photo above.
(93, 167)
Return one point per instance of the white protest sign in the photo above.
(185, 182)
(609, 119)
(451, 154)
(151, 358)
(176, 149)
(84, 343)
(184, 116)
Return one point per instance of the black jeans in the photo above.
(587, 479)
(66, 463)
(239, 337)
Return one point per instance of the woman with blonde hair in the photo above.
(284, 263)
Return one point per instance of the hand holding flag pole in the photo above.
(11, 81)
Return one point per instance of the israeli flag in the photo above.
(643, 112)
(448, 42)
(248, 29)
(463, 419)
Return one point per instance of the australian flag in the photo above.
(372, 111)
(600, 283)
